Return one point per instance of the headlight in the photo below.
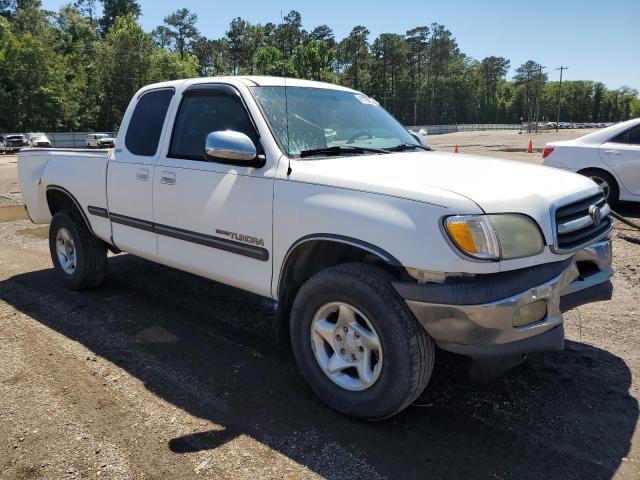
(494, 237)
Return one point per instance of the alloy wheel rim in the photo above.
(346, 346)
(66, 251)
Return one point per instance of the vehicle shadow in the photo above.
(210, 350)
(628, 209)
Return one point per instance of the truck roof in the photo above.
(250, 81)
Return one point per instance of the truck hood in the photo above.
(495, 185)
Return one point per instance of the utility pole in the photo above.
(559, 95)
(539, 93)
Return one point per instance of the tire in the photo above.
(406, 356)
(601, 178)
(89, 254)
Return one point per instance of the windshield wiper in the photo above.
(407, 146)
(340, 150)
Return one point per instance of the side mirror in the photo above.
(420, 135)
(232, 147)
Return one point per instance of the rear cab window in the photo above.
(145, 125)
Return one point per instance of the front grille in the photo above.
(575, 226)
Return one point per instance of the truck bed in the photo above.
(81, 171)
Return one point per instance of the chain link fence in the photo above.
(465, 127)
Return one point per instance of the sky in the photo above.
(597, 40)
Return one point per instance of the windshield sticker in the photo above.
(367, 100)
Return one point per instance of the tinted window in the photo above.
(634, 135)
(145, 126)
(631, 136)
(202, 114)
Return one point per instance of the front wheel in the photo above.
(606, 182)
(357, 344)
(79, 258)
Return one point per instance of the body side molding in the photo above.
(98, 211)
(232, 246)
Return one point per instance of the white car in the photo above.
(39, 140)
(610, 157)
(100, 140)
(375, 249)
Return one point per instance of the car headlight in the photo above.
(494, 237)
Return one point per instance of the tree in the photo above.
(289, 34)
(418, 42)
(313, 61)
(235, 37)
(353, 56)
(323, 33)
(166, 65)
(598, 92)
(530, 80)
(58, 72)
(492, 71)
(125, 60)
(112, 9)
(8, 8)
(31, 81)
(389, 52)
(162, 36)
(212, 56)
(86, 8)
(78, 42)
(181, 26)
(269, 61)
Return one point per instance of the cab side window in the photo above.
(145, 126)
(203, 113)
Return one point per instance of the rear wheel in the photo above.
(606, 182)
(79, 258)
(357, 344)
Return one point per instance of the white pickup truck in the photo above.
(376, 249)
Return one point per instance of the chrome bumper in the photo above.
(487, 329)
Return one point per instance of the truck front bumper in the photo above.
(496, 322)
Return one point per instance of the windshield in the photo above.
(324, 118)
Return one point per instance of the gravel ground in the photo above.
(162, 375)
(9, 189)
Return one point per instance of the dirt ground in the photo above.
(159, 374)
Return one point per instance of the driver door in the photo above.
(213, 219)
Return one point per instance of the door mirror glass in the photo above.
(230, 146)
(420, 136)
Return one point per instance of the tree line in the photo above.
(76, 69)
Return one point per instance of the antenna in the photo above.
(286, 99)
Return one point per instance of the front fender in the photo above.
(407, 229)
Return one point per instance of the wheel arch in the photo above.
(608, 171)
(312, 253)
(59, 198)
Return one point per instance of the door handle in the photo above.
(612, 152)
(168, 178)
(142, 174)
